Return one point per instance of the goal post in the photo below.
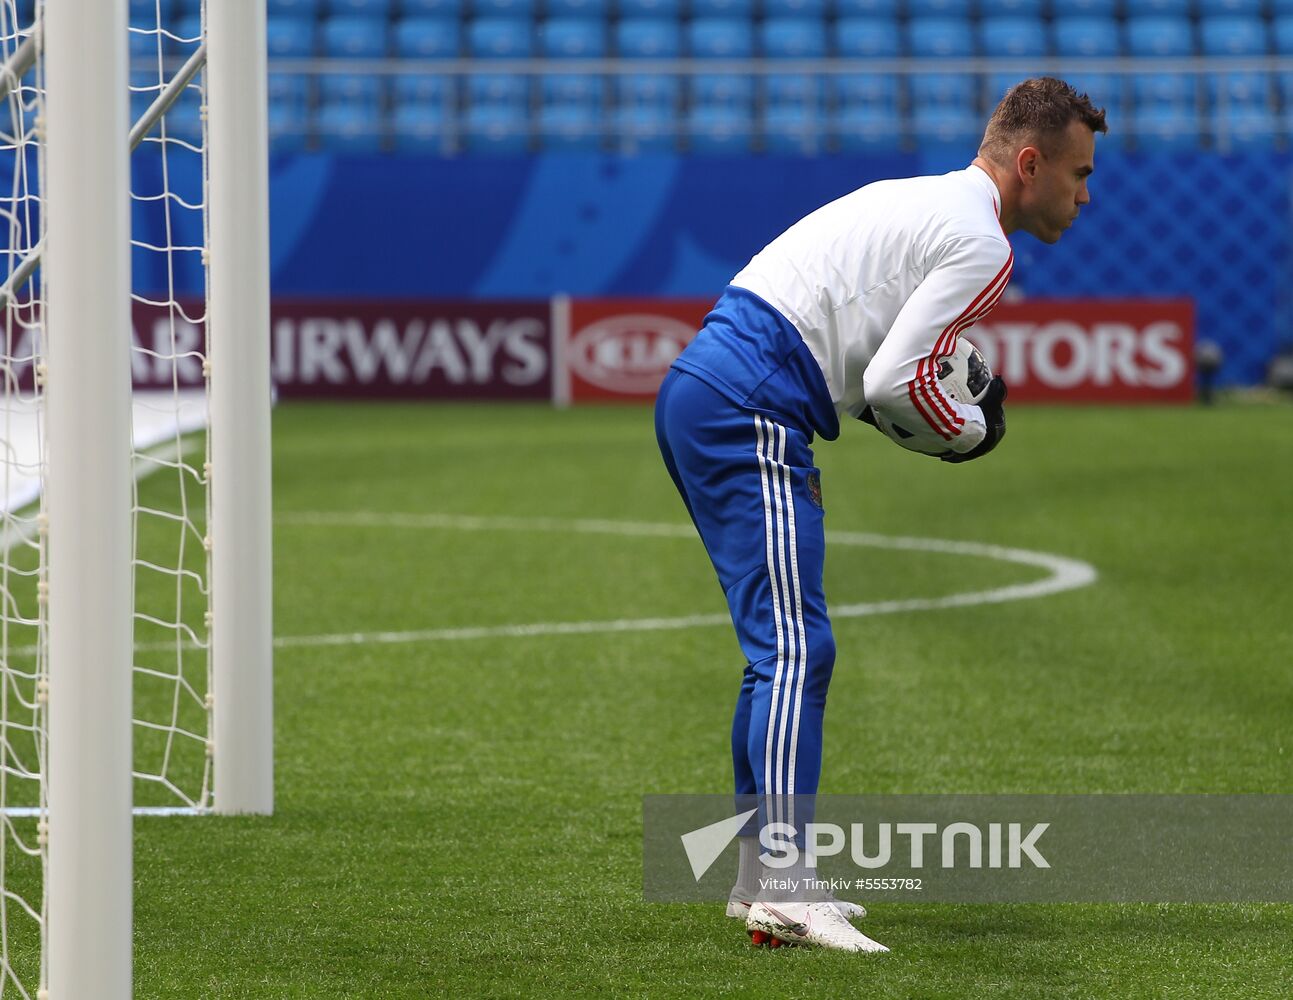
(86, 271)
(238, 331)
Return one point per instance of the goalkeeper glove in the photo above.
(994, 414)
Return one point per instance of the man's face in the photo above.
(1056, 189)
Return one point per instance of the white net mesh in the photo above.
(171, 566)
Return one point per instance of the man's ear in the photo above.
(1027, 163)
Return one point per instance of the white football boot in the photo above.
(818, 925)
(738, 906)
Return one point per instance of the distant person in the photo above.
(847, 313)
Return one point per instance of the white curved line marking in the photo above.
(1063, 574)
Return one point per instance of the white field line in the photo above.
(1063, 574)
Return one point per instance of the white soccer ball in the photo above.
(963, 376)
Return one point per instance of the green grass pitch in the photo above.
(461, 818)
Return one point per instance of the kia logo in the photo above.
(628, 354)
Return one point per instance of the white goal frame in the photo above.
(86, 274)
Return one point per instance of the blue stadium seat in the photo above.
(867, 130)
(654, 90)
(570, 127)
(793, 128)
(354, 38)
(346, 128)
(1281, 7)
(645, 129)
(721, 38)
(794, 8)
(793, 38)
(500, 38)
(287, 129)
(1089, 37)
(940, 37)
(1104, 89)
(723, 90)
(502, 8)
(1093, 8)
(423, 89)
(427, 38)
(422, 129)
(721, 130)
(576, 8)
(721, 8)
(947, 129)
(359, 8)
(1238, 89)
(431, 8)
(867, 38)
(290, 90)
(294, 8)
(1283, 35)
(143, 13)
(866, 8)
(1156, 8)
(1012, 37)
(1233, 36)
(1163, 89)
(1165, 128)
(496, 128)
(878, 91)
(943, 90)
(648, 8)
(1010, 8)
(648, 38)
(1210, 8)
(1245, 130)
(1160, 36)
(938, 8)
(361, 90)
(286, 37)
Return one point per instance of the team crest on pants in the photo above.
(815, 489)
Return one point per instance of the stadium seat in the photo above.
(648, 38)
(573, 38)
(291, 90)
(1160, 36)
(1283, 35)
(286, 128)
(645, 129)
(1092, 8)
(431, 8)
(1012, 37)
(285, 37)
(500, 38)
(576, 8)
(427, 38)
(938, 8)
(633, 9)
(1086, 37)
(380, 9)
(1163, 89)
(947, 129)
(793, 128)
(654, 90)
(143, 13)
(1104, 89)
(940, 37)
(943, 90)
(1165, 128)
(721, 130)
(867, 130)
(1233, 36)
(502, 8)
(793, 38)
(794, 8)
(354, 38)
(1152, 8)
(495, 128)
(866, 8)
(878, 91)
(722, 38)
(1010, 8)
(1239, 89)
(497, 38)
(867, 38)
(721, 8)
(422, 129)
(423, 89)
(570, 127)
(1245, 130)
(361, 90)
(345, 128)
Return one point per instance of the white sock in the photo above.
(749, 871)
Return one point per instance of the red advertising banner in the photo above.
(1079, 351)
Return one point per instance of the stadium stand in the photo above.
(724, 111)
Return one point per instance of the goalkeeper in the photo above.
(846, 313)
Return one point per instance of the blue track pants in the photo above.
(750, 486)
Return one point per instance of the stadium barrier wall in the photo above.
(1211, 228)
(577, 350)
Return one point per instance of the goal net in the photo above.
(175, 754)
